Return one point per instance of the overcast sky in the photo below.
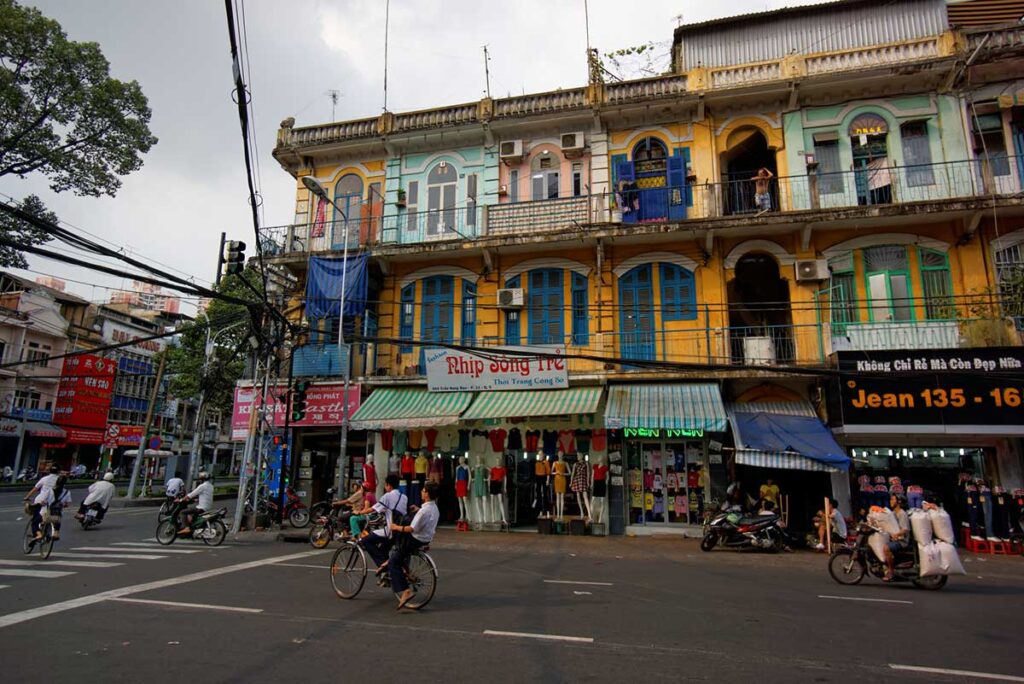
(192, 184)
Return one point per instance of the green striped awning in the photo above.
(684, 407)
(405, 408)
(553, 402)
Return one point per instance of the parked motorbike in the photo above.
(848, 564)
(322, 508)
(732, 530)
(91, 517)
(208, 526)
(294, 509)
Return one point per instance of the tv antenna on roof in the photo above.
(334, 94)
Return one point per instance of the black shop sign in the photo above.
(932, 387)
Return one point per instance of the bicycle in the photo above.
(348, 574)
(45, 544)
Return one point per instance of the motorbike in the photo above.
(322, 508)
(91, 517)
(208, 527)
(732, 530)
(294, 509)
(166, 508)
(849, 563)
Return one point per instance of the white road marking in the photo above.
(305, 565)
(157, 545)
(548, 637)
(71, 563)
(132, 556)
(121, 549)
(42, 611)
(4, 586)
(592, 584)
(957, 673)
(42, 574)
(857, 598)
(583, 593)
(178, 604)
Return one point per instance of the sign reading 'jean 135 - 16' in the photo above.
(449, 370)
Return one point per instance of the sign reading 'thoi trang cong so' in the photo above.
(449, 370)
(956, 387)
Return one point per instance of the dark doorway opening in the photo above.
(760, 318)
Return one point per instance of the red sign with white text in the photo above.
(83, 396)
(324, 407)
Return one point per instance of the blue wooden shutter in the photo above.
(617, 159)
(468, 313)
(406, 311)
(580, 319)
(512, 336)
(676, 188)
(684, 152)
(678, 295)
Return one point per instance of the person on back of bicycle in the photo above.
(378, 542)
(203, 497)
(53, 501)
(421, 532)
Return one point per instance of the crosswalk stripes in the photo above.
(5, 586)
(48, 574)
(68, 563)
(123, 556)
(123, 549)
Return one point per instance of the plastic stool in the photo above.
(462, 526)
(1003, 548)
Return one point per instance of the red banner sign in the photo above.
(122, 435)
(324, 407)
(83, 396)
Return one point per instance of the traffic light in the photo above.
(234, 257)
(299, 400)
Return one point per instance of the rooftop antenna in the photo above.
(334, 94)
(487, 72)
(679, 20)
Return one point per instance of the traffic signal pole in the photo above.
(286, 445)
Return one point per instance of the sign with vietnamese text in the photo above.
(657, 433)
(324, 407)
(449, 370)
(122, 435)
(83, 396)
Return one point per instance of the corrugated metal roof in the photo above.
(973, 13)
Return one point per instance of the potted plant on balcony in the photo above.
(400, 200)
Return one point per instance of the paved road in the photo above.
(624, 609)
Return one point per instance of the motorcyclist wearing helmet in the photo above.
(100, 494)
(900, 540)
(203, 497)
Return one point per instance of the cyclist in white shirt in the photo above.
(54, 499)
(203, 496)
(421, 531)
(175, 486)
(45, 482)
(100, 494)
(378, 542)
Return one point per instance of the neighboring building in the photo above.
(700, 307)
(148, 297)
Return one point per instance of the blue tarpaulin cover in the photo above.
(323, 286)
(805, 435)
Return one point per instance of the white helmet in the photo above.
(108, 476)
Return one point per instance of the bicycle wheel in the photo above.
(214, 533)
(320, 536)
(28, 542)
(422, 574)
(166, 532)
(46, 544)
(348, 571)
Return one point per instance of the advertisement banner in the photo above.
(933, 387)
(324, 407)
(83, 396)
(449, 370)
(122, 435)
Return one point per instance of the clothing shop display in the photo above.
(985, 496)
(401, 441)
(445, 441)
(580, 481)
(549, 438)
(435, 471)
(463, 441)
(421, 465)
(636, 488)
(598, 439)
(480, 476)
(600, 479)
(478, 442)
(567, 441)
(541, 480)
(415, 439)
(408, 466)
(497, 479)
(497, 440)
(431, 437)
(532, 440)
(461, 480)
(370, 476)
(394, 464)
(582, 441)
(386, 439)
(560, 471)
(515, 440)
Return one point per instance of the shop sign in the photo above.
(982, 386)
(449, 370)
(118, 435)
(80, 436)
(868, 124)
(324, 407)
(42, 415)
(657, 433)
(83, 396)
(10, 428)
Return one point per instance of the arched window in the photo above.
(649, 149)
(544, 176)
(441, 184)
(636, 313)
(348, 198)
(546, 306)
(887, 277)
(678, 297)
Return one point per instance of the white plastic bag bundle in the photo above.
(921, 524)
(878, 541)
(931, 559)
(949, 559)
(942, 526)
(884, 520)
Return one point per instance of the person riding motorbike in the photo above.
(899, 540)
(100, 494)
(203, 496)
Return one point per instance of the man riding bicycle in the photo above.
(378, 542)
(421, 531)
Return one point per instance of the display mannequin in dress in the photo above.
(462, 487)
(541, 485)
(435, 471)
(579, 483)
(497, 488)
(480, 503)
(600, 472)
(560, 472)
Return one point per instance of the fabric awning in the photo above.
(41, 429)
(404, 408)
(684, 406)
(554, 402)
(788, 436)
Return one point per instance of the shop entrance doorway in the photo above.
(667, 481)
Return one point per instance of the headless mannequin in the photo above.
(462, 474)
(600, 492)
(581, 474)
(542, 480)
(560, 470)
(479, 508)
(497, 489)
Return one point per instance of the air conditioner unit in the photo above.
(758, 351)
(510, 298)
(572, 144)
(808, 270)
(511, 150)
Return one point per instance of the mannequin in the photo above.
(580, 485)
(479, 502)
(421, 466)
(498, 492)
(394, 463)
(600, 490)
(370, 475)
(560, 470)
(462, 486)
(541, 482)
(435, 471)
(408, 465)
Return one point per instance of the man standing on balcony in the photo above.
(762, 198)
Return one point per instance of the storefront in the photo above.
(664, 471)
(39, 434)
(939, 421)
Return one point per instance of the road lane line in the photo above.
(304, 565)
(74, 564)
(547, 637)
(157, 545)
(857, 598)
(5, 586)
(42, 611)
(42, 574)
(127, 556)
(957, 673)
(178, 604)
(121, 549)
(592, 584)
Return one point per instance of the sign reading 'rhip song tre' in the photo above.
(449, 370)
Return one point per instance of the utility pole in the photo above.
(140, 455)
(286, 443)
(21, 432)
(487, 72)
(220, 259)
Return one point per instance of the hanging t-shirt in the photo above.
(636, 488)
(497, 439)
(567, 441)
(658, 484)
(435, 471)
(680, 504)
(648, 501)
(583, 441)
(532, 439)
(478, 442)
(515, 440)
(693, 478)
(386, 439)
(550, 439)
(598, 439)
(401, 441)
(415, 439)
(445, 439)
(431, 437)
(672, 481)
(658, 509)
(648, 480)
(463, 441)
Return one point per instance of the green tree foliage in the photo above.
(20, 231)
(62, 115)
(230, 348)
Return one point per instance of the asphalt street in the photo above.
(508, 608)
